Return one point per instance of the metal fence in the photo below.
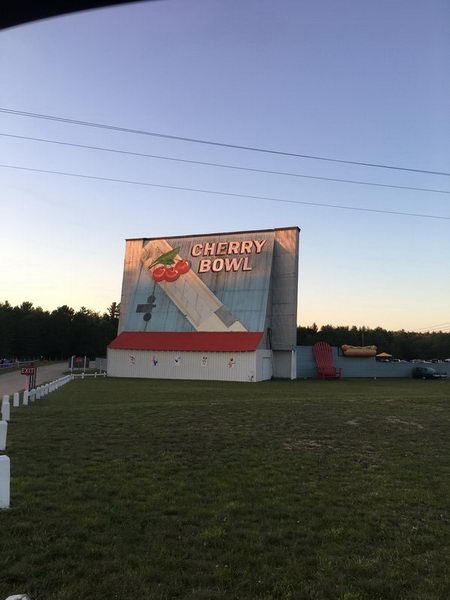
(14, 365)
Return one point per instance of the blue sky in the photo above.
(358, 81)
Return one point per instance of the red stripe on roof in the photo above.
(194, 341)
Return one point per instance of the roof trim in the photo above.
(178, 237)
(189, 341)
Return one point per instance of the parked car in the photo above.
(427, 373)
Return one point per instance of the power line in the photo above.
(437, 325)
(213, 143)
(230, 194)
(225, 166)
(433, 326)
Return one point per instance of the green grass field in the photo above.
(308, 490)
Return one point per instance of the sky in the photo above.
(350, 80)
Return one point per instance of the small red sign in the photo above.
(28, 370)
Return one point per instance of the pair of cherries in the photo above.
(162, 273)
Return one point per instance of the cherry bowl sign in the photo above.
(210, 292)
(229, 249)
(211, 282)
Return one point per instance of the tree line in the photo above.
(28, 332)
(402, 344)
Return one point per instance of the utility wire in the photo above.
(230, 194)
(224, 166)
(212, 143)
(433, 326)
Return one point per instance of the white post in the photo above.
(5, 398)
(26, 395)
(16, 399)
(294, 363)
(5, 476)
(84, 365)
(82, 376)
(3, 432)
(6, 411)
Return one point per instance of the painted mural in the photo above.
(245, 281)
(201, 284)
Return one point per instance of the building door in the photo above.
(267, 367)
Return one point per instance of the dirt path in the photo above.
(13, 382)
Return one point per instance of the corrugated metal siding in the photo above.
(285, 289)
(244, 293)
(130, 277)
(282, 366)
(120, 364)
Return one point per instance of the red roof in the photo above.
(195, 341)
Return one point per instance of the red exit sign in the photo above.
(28, 370)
